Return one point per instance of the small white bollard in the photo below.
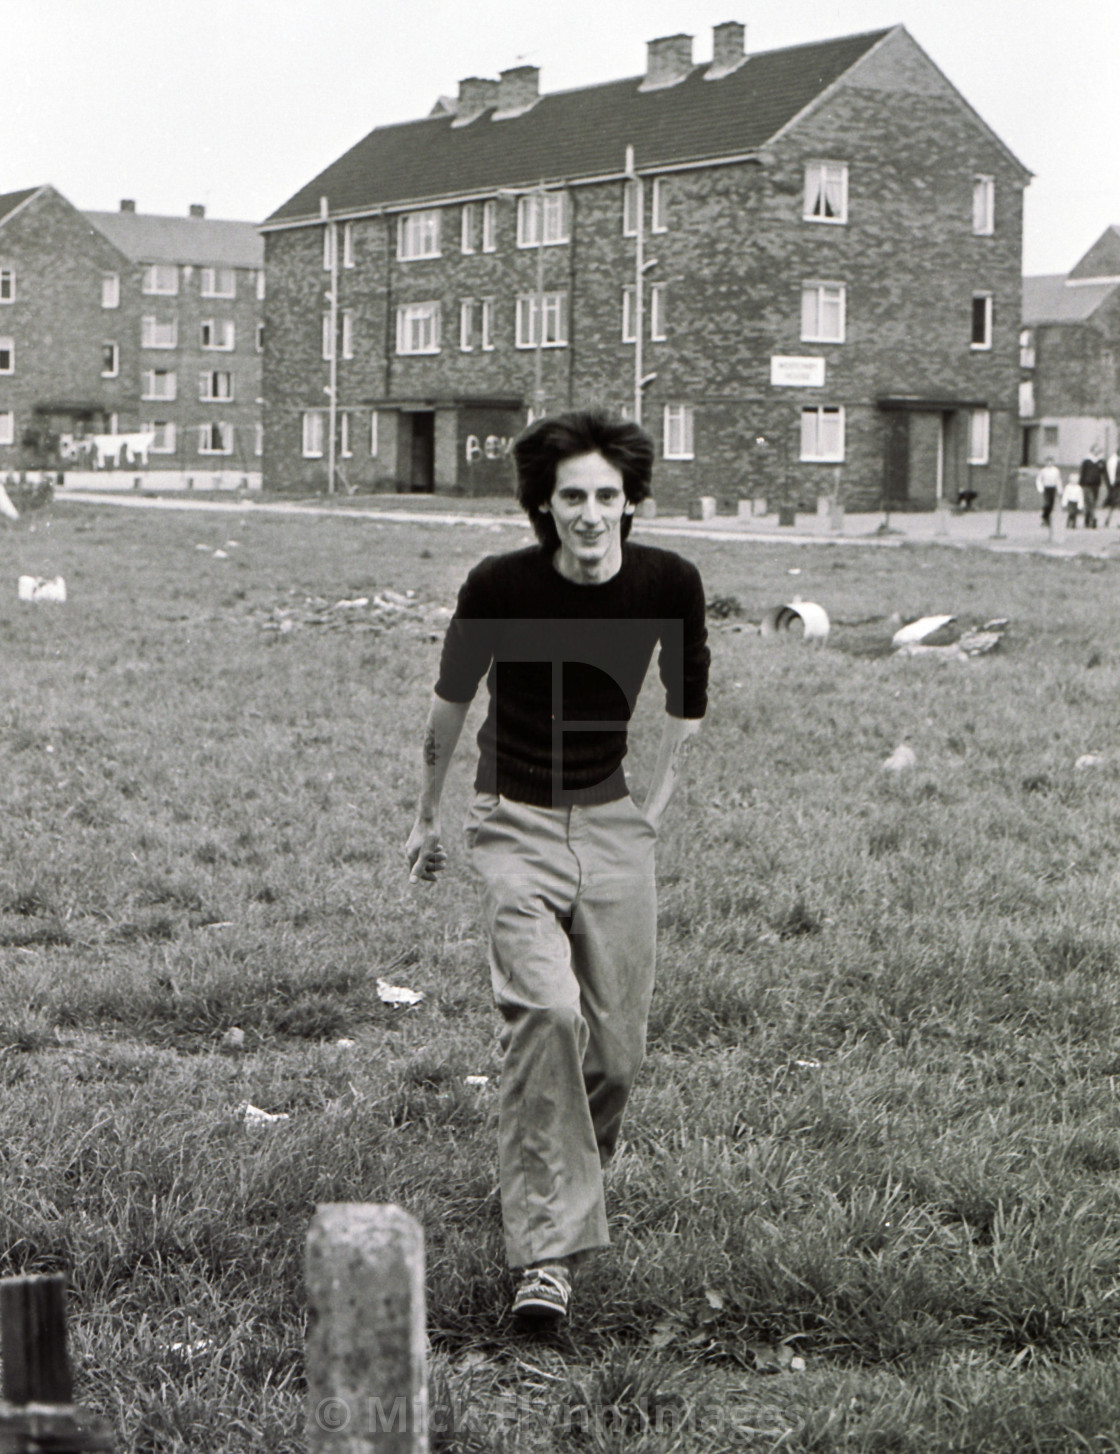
(367, 1386)
(703, 507)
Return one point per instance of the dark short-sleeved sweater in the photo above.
(566, 663)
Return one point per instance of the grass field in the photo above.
(878, 1125)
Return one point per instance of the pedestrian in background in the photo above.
(1112, 471)
(1092, 477)
(1048, 482)
(1073, 501)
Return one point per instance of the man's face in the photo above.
(588, 505)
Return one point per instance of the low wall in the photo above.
(142, 479)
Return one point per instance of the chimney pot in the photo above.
(128, 204)
(668, 61)
(197, 209)
(728, 48)
(518, 88)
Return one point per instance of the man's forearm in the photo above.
(676, 736)
(441, 733)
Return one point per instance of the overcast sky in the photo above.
(238, 103)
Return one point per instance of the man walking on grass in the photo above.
(564, 632)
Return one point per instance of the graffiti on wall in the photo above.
(494, 446)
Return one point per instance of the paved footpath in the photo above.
(1015, 531)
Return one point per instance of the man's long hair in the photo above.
(544, 445)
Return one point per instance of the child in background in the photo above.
(1073, 501)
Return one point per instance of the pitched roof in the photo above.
(582, 133)
(1049, 298)
(1103, 258)
(9, 201)
(203, 241)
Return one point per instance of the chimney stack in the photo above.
(668, 61)
(728, 49)
(127, 204)
(476, 94)
(197, 210)
(518, 89)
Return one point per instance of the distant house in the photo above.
(118, 323)
(1070, 357)
(797, 266)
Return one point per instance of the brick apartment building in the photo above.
(799, 265)
(1070, 357)
(121, 322)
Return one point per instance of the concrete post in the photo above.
(367, 1389)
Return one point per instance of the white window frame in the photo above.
(658, 309)
(313, 432)
(7, 426)
(329, 246)
(556, 219)
(344, 450)
(418, 235)
(208, 393)
(814, 447)
(209, 279)
(152, 331)
(983, 206)
(555, 310)
(979, 436)
(630, 208)
(373, 434)
(466, 325)
(415, 320)
(160, 445)
(328, 337)
(227, 331)
(8, 346)
(160, 280)
(1026, 399)
(490, 226)
(347, 332)
(629, 322)
(7, 285)
(114, 368)
(1026, 348)
(984, 345)
(149, 391)
(467, 228)
(678, 426)
(659, 205)
(818, 205)
(258, 439)
(815, 297)
(486, 325)
(347, 244)
(110, 290)
(260, 285)
(206, 434)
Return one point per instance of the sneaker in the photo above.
(543, 1293)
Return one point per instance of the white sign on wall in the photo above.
(791, 372)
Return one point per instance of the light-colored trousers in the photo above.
(570, 908)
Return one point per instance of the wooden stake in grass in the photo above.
(37, 1412)
(367, 1390)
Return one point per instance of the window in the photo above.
(313, 434)
(418, 235)
(160, 278)
(467, 227)
(215, 384)
(1050, 436)
(530, 230)
(489, 227)
(630, 209)
(373, 433)
(657, 297)
(660, 205)
(822, 433)
(347, 333)
(218, 283)
(158, 384)
(555, 333)
(110, 290)
(215, 439)
(1026, 399)
(217, 333)
(154, 334)
(328, 337)
(258, 439)
(486, 324)
(466, 325)
(164, 441)
(822, 312)
(7, 427)
(629, 322)
(344, 450)
(981, 320)
(260, 338)
(983, 206)
(329, 244)
(677, 432)
(260, 285)
(7, 356)
(7, 285)
(347, 244)
(418, 328)
(1026, 349)
(979, 431)
(110, 361)
(826, 192)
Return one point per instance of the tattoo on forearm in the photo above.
(431, 747)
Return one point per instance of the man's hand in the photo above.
(425, 853)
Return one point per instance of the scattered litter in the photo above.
(794, 570)
(37, 588)
(900, 759)
(234, 1038)
(773, 1360)
(913, 640)
(221, 555)
(478, 1080)
(1089, 760)
(202, 547)
(813, 618)
(6, 507)
(345, 1043)
(233, 545)
(188, 1350)
(254, 1116)
(384, 611)
(918, 630)
(797, 1364)
(394, 994)
(808, 1064)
